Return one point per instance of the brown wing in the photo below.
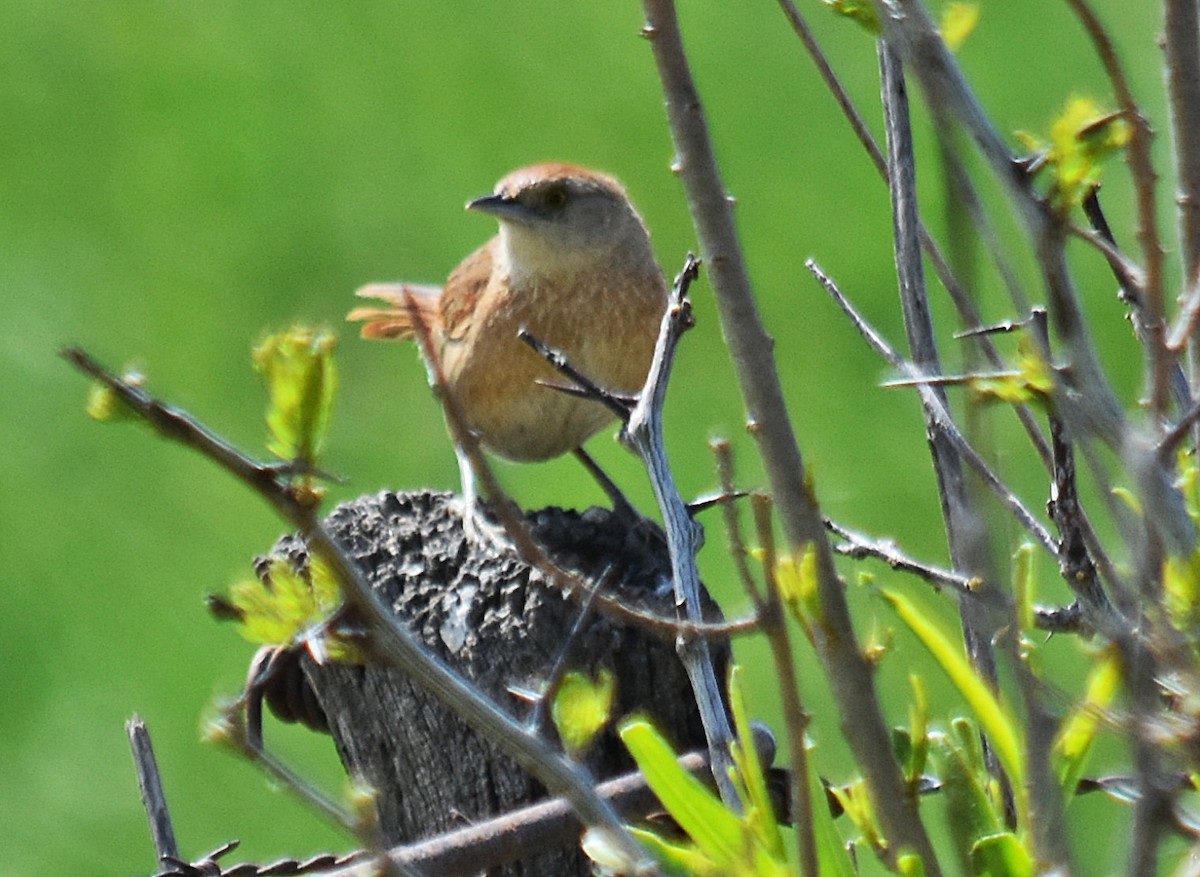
(464, 287)
(394, 321)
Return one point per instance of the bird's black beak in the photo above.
(503, 207)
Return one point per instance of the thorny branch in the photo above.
(643, 434)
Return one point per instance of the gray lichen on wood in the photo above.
(503, 625)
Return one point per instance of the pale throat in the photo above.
(537, 261)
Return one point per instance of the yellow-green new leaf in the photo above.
(677, 858)
(958, 21)
(1078, 733)
(301, 378)
(862, 12)
(1181, 586)
(796, 575)
(1031, 381)
(582, 707)
(105, 406)
(1081, 138)
(1002, 855)
(286, 607)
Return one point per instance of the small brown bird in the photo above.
(573, 265)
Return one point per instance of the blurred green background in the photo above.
(177, 178)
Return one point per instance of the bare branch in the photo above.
(771, 611)
(1181, 40)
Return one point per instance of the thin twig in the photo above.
(585, 386)
(970, 455)
(1074, 561)
(1181, 43)
(723, 451)
(230, 729)
(949, 96)
(488, 844)
(539, 720)
(965, 532)
(968, 313)
(1145, 178)
(795, 715)
(1126, 272)
(1133, 293)
(857, 546)
(770, 610)
(1174, 437)
(154, 799)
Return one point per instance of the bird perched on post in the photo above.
(573, 265)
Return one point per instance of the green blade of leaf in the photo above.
(1002, 855)
(582, 707)
(1078, 732)
(760, 813)
(832, 856)
(677, 858)
(717, 832)
(994, 719)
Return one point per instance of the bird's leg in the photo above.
(476, 525)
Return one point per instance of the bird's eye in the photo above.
(554, 197)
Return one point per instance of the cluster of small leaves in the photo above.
(796, 577)
(298, 369)
(1031, 381)
(985, 840)
(289, 608)
(975, 803)
(1081, 138)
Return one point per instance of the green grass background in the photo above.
(177, 178)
